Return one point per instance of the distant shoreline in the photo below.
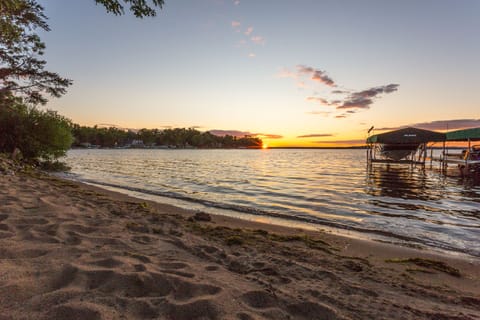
(272, 148)
(350, 147)
(156, 148)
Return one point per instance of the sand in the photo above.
(73, 251)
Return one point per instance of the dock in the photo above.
(411, 146)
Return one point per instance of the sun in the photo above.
(264, 146)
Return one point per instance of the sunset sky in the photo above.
(301, 73)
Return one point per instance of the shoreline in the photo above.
(277, 220)
(359, 238)
(70, 250)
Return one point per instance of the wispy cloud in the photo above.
(316, 75)
(235, 133)
(251, 55)
(269, 136)
(365, 98)
(316, 135)
(239, 134)
(346, 100)
(248, 36)
(342, 142)
(308, 73)
(236, 2)
(321, 113)
(285, 73)
(355, 100)
(241, 43)
(258, 40)
(318, 99)
(453, 124)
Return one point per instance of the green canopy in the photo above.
(472, 134)
(407, 135)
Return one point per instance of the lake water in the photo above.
(309, 188)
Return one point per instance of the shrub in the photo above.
(38, 134)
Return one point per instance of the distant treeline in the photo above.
(149, 138)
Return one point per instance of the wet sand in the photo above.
(73, 251)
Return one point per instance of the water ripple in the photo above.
(325, 187)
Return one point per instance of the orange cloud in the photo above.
(318, 99)
(238, 133)
(316, 135)
(341, 142)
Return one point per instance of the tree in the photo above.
(140, 8)
(22, 71)
(24, 80)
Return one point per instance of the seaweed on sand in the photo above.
(429, 264)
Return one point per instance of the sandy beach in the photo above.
(73, 251)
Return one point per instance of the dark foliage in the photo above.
(140, 8)
(43, 135)
(22, 71)
(177, 138)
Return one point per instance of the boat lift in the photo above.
(468, 161)
(409, 146)
(405, 146)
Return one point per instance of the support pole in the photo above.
(431, 156)
(442, 159)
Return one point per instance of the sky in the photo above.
(297, 73)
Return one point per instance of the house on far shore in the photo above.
(137, 144)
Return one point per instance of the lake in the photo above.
(315, 189)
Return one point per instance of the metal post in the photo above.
(431, 156)
(442, 159)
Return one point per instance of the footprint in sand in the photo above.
(311, 310)
(72, 312)
(22, 254)
(72, 238)
(173, 265)
(31, 221)
(131, 284)
(212, 268)
(107, 263)
(79, 228)
(200, 309)
(259, 299)
(38, 237)
(244, 316)
(139, 257)
(142, 239)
